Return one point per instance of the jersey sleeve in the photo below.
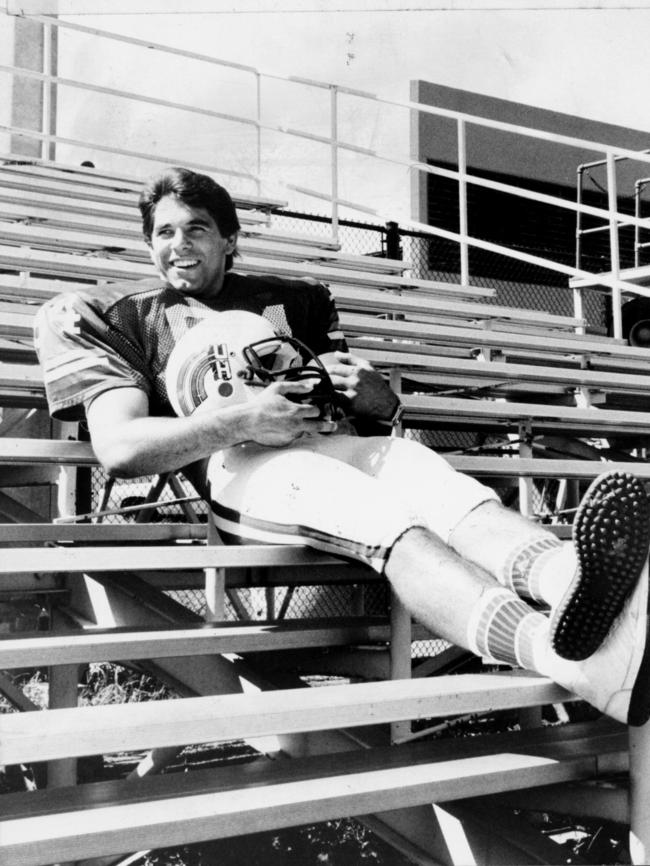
(82, 356)
(326, 329)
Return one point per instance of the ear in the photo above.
(231, 243)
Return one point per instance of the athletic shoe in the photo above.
(611, 534)
(616, 679)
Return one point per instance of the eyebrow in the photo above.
(197, 221)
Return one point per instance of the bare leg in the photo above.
(436, 586)
(460, 602)
(585, 581)
(489, 530)
(492, 536)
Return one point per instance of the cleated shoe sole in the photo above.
(616, 678)
(611, 534)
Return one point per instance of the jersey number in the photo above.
(65, 317)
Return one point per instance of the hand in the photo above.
(361, 389)
(279, 420)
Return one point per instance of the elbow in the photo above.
(119, 462)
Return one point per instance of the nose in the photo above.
(180, 240)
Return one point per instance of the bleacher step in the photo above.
(18, 451)
(92, 267)
(95, 241)
(102, 729)
(101, 818)
(444, 412)
(100, 645)
(83, 187)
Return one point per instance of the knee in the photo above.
(414, 543)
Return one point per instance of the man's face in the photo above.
(188, 249)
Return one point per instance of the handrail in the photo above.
(612, 153)
(499, 186)
(199, 166)
(558, 138)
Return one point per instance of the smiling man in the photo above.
(245, 383)
(189, 249)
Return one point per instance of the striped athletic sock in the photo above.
(504, 628)
(532, 570)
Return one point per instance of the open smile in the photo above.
(184, 264)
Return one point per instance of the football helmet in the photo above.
(228, 356)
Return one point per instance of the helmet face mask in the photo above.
(267, 360)
(226, 358)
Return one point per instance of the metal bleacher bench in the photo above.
(352, 747)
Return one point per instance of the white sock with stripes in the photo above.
(504, 628)
(540, 569)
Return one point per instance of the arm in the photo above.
(129, 442)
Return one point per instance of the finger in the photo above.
(322, 426)
(299, 386)
(344, 370)
(342, 388)
(308, 411)
(353, 360)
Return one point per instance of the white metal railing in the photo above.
(611, 218)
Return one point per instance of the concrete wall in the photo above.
(435, 138)
(26, 102)
(6, 83)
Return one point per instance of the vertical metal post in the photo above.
(393, 245)
(400, 657)
(525, 484)
(395, 382)
(63, 690)
(66, 503)
(579, 181)
(638, 187)
(612, 200)
(215, 581)
(462, 202)
(578, 309)
(639, 739)
(258, 179)
(578, 304)
(358, 600)
(334, 132)
(269, 596)
(400, 619)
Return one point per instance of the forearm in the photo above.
(129, 442)
(152, 445)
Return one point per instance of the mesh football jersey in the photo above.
(93, 340)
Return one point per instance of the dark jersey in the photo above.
(93, 340)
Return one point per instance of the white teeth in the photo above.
(185, 263)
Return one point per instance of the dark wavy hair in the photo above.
(195, 190)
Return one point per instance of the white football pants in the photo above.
(342, 494)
